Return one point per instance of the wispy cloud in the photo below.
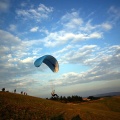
(106, 67)
(106, 26)
(36, 14)
(75, 29)
(4, 5)
(78, 55)
(23, 4)
(34, 29)
(8, 39)
(61, 37)
(114, 14)
(12, 27)
(71, 21)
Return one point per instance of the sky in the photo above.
(83, 35)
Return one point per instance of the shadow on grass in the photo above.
(77, 117)
(60, 117)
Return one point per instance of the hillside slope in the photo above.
(21, 107)
(108, 94)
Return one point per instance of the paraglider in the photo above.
(52, 63)
(49, 60)
(53, 94)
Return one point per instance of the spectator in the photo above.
(15, 91)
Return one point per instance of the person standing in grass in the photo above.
(14, 90)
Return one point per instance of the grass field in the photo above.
(21, 107)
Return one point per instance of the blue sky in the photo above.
(83, 35)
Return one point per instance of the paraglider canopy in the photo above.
(49, 60)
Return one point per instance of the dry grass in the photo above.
(20, 107)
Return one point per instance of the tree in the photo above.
(3, 89)
(93, 98)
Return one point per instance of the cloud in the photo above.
(28, 60)
(91, 14)
(15, 59)
(34, 29)
(75, 29)
(4, 5)
(107, 26)
(79, 55)
(37, 14)
(12, 27)
(44, 9)
(44, 30)
(23, 4)
(71, 21)
(95, 35)
(66, 48)
(104, 67)
(69, 40)
(74, 23)
(8, 39)
(114, 13)
(91, 55)
(62, 37)
(88, 27)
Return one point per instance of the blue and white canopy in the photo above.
(49, 60)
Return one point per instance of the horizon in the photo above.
(111, 93)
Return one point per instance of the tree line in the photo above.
(73, 98)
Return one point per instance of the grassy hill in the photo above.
(21, 107)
